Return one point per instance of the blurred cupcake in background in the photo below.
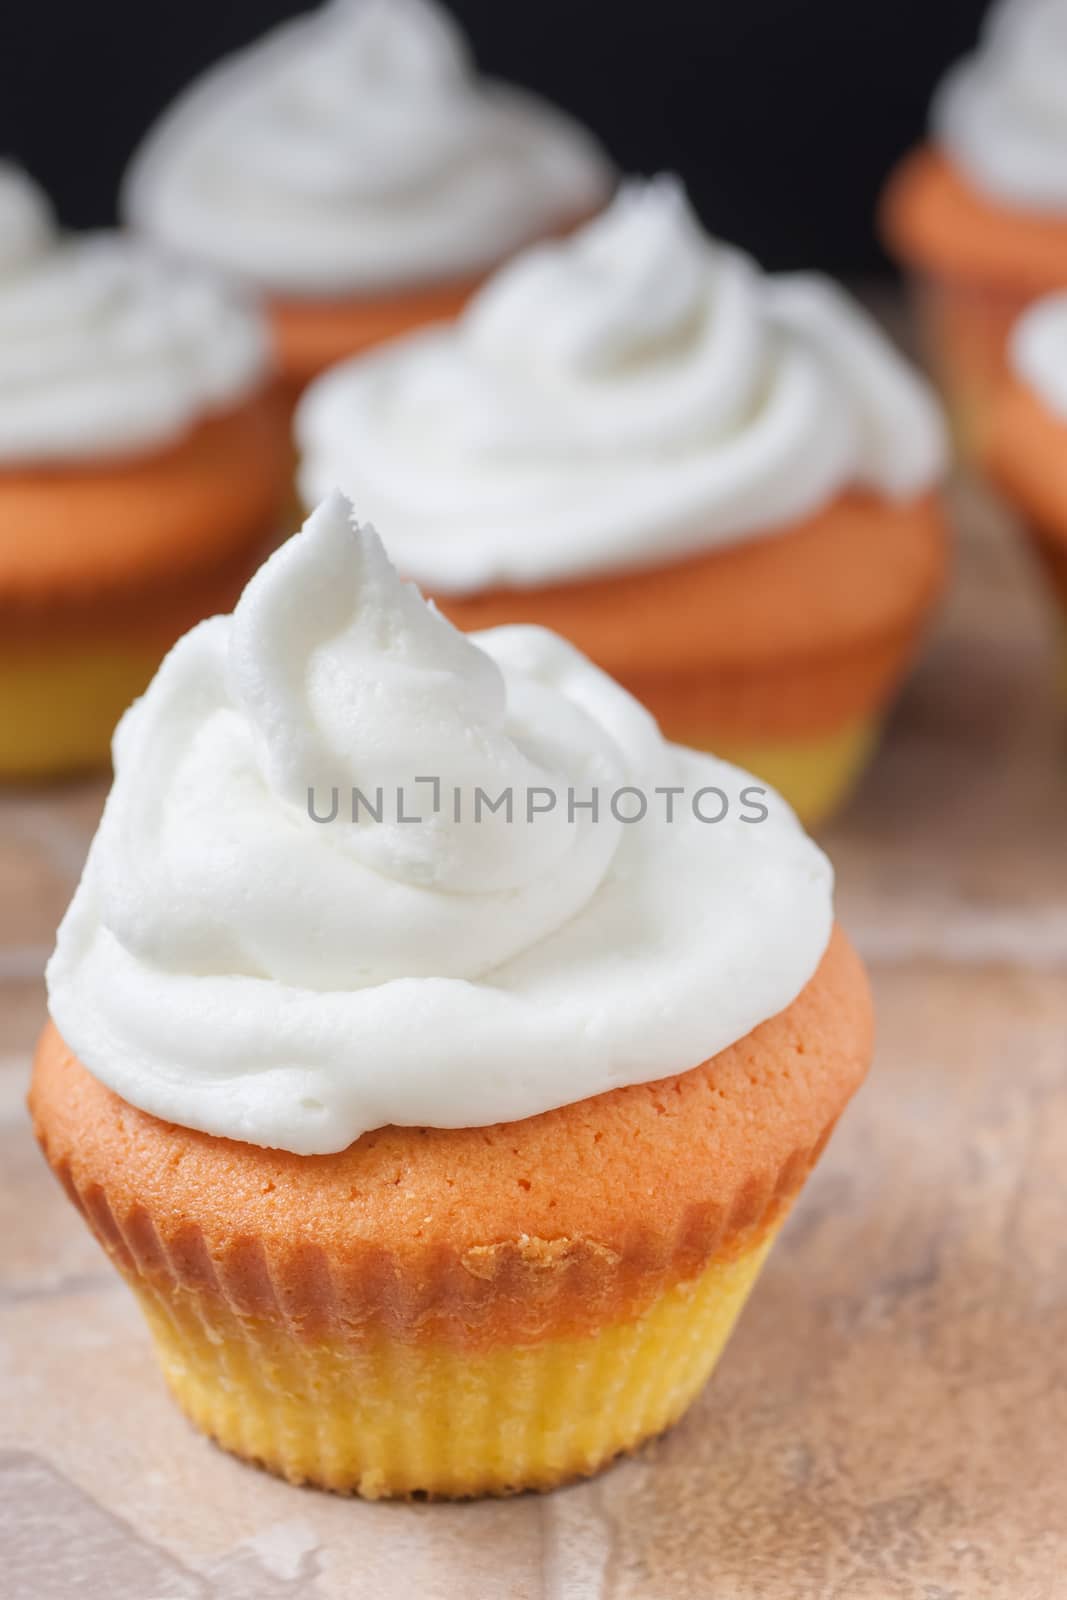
(354, 167)
(143, 466)
(979, 213)
(721, 486)
(1026, 450)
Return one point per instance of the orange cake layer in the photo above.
(152, 616)
(312, 334)
(797, 632)
(528, 1230)
(790, 700)
(935, 220)
(74, 537)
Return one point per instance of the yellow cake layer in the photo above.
(814, 774)
(58, 709)
(379, 1417)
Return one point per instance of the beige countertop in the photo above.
(891, 1417)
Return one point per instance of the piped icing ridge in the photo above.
(233, 964)
(1001, 112)
(105, 347)
(357, 150)
(634, 393)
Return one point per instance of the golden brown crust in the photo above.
(934, 220)
(75, 538)
(524, 1230)
(795, 633)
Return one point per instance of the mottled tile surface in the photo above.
(890, 1420)
(956, 845)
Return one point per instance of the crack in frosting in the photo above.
(1001, 112)
(231, 964)
(104, 346)
(634, 393)
(357, 150)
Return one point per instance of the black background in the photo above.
(782, 115)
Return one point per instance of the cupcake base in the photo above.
(60, 710)
(462, 1311)
(978, 263)
(65, 684)
(965, 329)
(381, 1419)
(815, 774)
(780, 654)
(103, 565)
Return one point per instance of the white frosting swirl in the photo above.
(1001, 113)
(105, 347)
(1038, 351)
(355, 150)
(233, 965)
(632, 394)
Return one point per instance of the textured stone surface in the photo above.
(956, 845)
(890, 1418)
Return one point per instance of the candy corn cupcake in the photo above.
(354, 167)
(435, 1050)
(722, 487)
(1026, 446)
(979, 213)
(142, 469)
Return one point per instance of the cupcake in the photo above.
(440, 1137)
(354, 167)
(720, 486)
(979, 213)
(142, 466)
(1026, 446)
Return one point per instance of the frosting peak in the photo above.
(104, 347)
(1001, 113)
(631, 279)
(409, 43)
(356, 149)
(253, 953)
(345, 676)
(635, 392)
(26, 224)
